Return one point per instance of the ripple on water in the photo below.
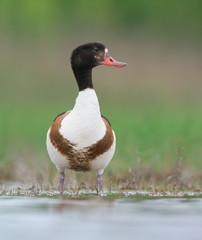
(99, 217)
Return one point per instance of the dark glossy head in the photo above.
(87, 56)
(90, 55)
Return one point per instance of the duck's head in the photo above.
(87, 56)
(90, 55)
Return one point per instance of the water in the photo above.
(98, 219)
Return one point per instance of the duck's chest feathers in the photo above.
(84, 125)
(82, 135)
(80, 159)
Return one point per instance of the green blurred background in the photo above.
(154, 104)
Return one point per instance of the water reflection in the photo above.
(49, 218)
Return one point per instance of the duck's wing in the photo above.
(59, 115)
(106, 120)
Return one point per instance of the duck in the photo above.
(82, 139)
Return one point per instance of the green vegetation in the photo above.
(154, 104)
(157, 122)
(154, 136)
(46, 16)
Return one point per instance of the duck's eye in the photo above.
(95, 49)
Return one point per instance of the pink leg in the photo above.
(99, 182)
(61, 179)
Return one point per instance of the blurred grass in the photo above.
(154, 104)
(146, 135)
(44, 17)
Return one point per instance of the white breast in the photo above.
(84, 125)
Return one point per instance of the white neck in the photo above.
(87, 102)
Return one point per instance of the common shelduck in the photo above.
(82, 139)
